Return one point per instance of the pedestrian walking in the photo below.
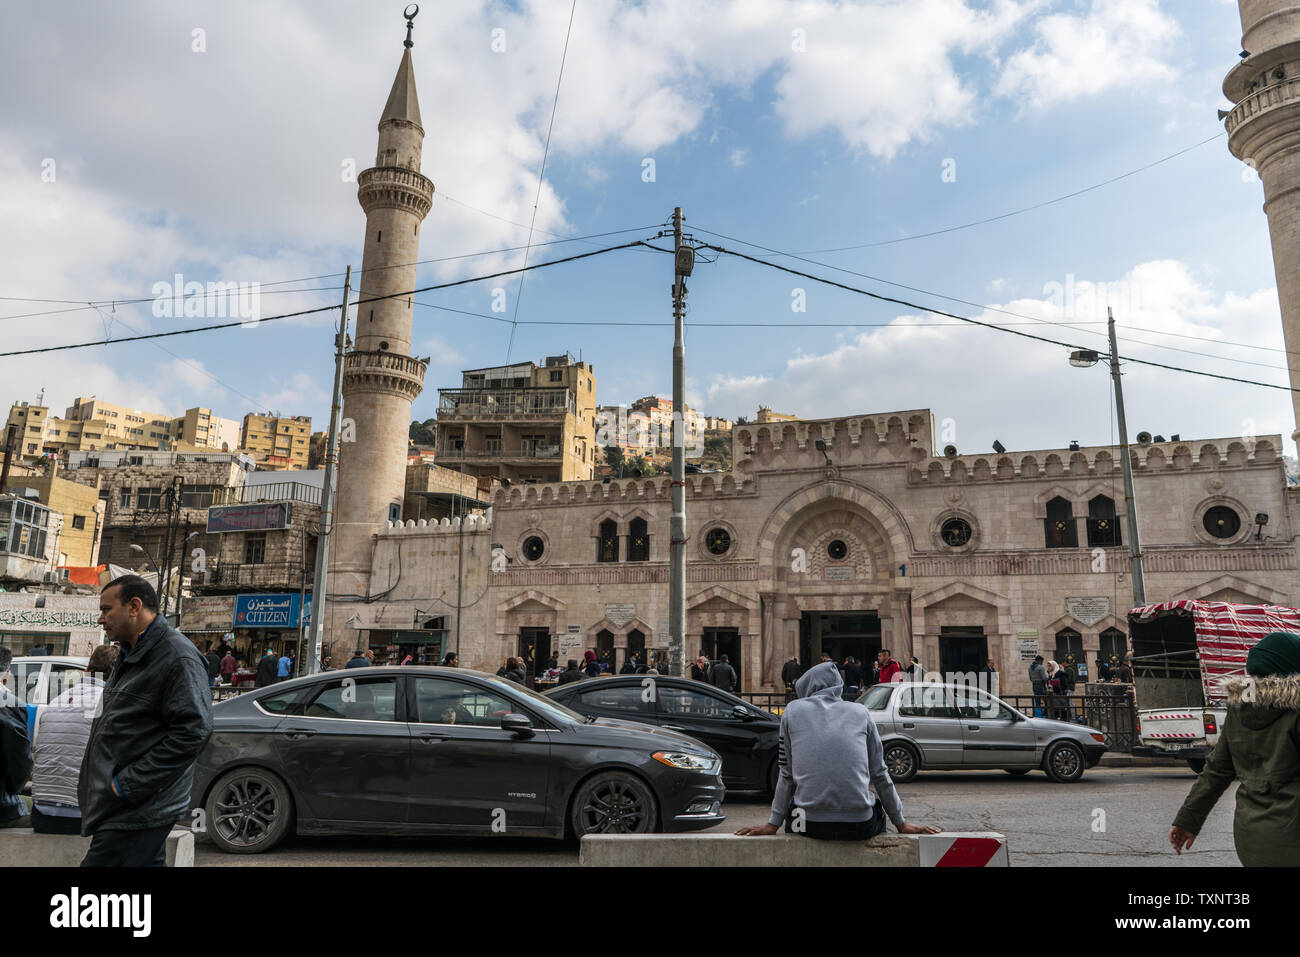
(59, 744)
(790, 673)
(268, 670)
(138, 769)
(1056, 682)
(1259, 746)
(284, 668)
(852, 678)
(723, 676)
(914, 670)
(359, 660)
(214, 667)
(1069, 681)
(15, 748)
(450, 660)
(1038, 682)
(515, 670)
(629, 666)
(829, 755)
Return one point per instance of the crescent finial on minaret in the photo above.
(410, 13)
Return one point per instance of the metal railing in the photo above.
(270, 492)
(1112, 714)
(542, 400)
(262, 574)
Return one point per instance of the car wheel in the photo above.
(248, 811)
(614, 802)
(1196, 764)
(1018, 772)
(1064, 763)
(901, 761)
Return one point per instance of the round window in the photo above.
(955, 532)
(533, 548)
(837, 550)
(1222, 522)
(717, 541)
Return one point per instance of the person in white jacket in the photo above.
(62, 730)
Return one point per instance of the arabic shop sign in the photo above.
(248, 518)
(51, 617)
(266, 611)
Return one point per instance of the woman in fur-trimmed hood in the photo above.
(1260, 747)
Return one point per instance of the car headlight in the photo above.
(687, 761)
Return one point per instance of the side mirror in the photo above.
(517, 724)
(741, 712)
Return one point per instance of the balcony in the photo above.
(524, 452)
(505, 404)
(1265, 100)
(397, 187)
(259, 575)
(271, 492)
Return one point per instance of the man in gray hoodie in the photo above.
(830, 750)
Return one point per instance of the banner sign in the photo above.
(248, 518)
(266, 611)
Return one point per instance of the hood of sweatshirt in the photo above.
(1258, 702)
(821, 681)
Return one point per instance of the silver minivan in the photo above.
(946, 727)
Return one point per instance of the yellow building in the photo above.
(88, 425)
(277, 442)
(199, 428)
(523, 422)
(81, 508)
(765, 414)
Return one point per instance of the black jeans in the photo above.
(143, 848)
(846, 830)
(51, 824)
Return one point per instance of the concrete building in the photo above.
(29, 538)
(200, 429)
(381, 378)
(953, 559)
(523, 423)
(1264, 131)
(275, 441)
(80, 508)
(765, 414)
(88, 424)
(62, 624)
(433, 492)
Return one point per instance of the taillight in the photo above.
(1211, 725)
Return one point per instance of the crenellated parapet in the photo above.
(1157, 458)
(861, 439)
(623, 491)
(472, 523)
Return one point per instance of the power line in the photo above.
(546, 150)
(1017, 212)
(307, 312)
(1073, 326)
(987, 325)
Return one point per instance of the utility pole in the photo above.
(1134, 545)
(683, 264)
(320, 579)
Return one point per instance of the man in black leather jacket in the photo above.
(15, 749)
(155, 718)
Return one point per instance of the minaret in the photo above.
(380, 379)
(1264, 130)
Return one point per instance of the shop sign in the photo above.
(48, 616)
(248, 518)
(266, 611)
(207, 613)
(1028, 641)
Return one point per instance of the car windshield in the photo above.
(548, 706)
(876, 697)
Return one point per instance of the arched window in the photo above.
(607, 544)
(1068, 642)
(1103, 528)
(1059, 525)
(638, 541)
(605, 648)
(1112, 643)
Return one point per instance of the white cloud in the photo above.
(739, 158)
(1116, 43)
(984, 379)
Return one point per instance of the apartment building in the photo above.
(200, 429)
(522, 423)
(91, 424)
(79, 505)
(277, 442)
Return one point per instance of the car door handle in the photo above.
(909, 725)
(972, 727)
(295, 734)
(431, 737)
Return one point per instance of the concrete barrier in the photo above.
(23, 847)
(956, 849)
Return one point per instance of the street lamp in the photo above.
(149, 557)
(1084, 359)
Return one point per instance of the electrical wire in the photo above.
(546, 151)
(307, 312)
(987, 325)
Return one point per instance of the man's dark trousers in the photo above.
(117, 848)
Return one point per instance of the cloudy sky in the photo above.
(139, 141)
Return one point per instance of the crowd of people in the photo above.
(856, 676)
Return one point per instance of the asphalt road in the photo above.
(1114, 816)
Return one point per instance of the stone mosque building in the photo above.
(846, 534)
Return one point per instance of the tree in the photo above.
(614, 457)
(424, 433)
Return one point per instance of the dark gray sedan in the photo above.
(421, 750)
(953, 726)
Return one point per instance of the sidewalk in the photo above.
(1121, 759)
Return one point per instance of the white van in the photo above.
(35, 679)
